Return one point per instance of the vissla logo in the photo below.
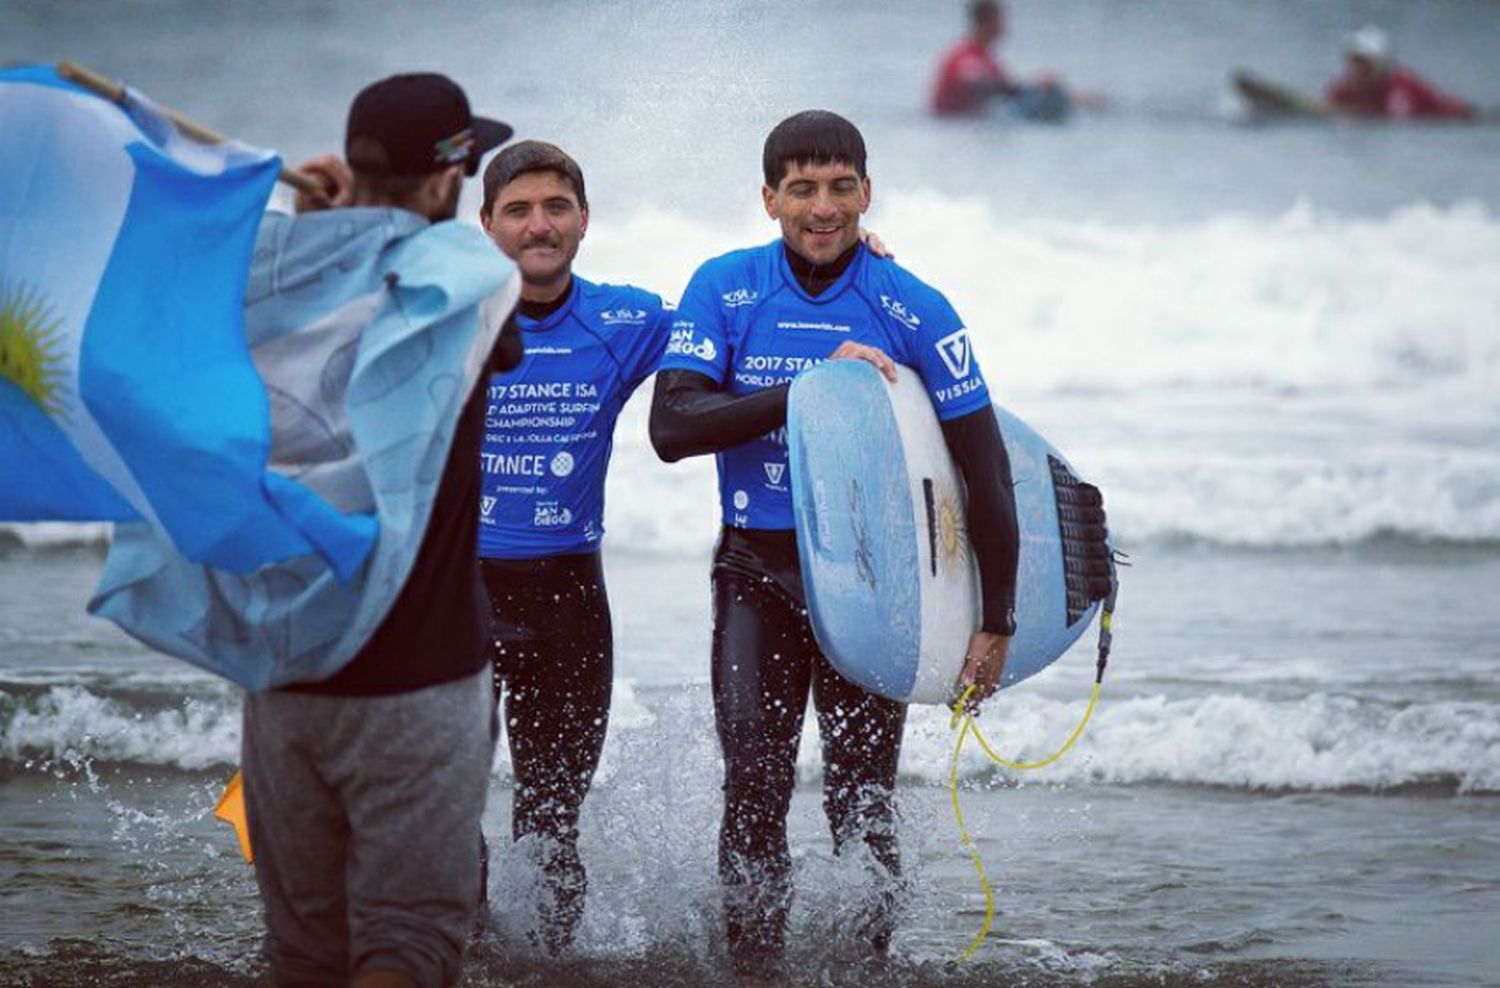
(956, 353)
(487, 506)
(774, 473)
(739, 297)
(898, 311)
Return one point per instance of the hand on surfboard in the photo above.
(849, 350)
(983, 664)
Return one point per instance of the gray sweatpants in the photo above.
(364, 819)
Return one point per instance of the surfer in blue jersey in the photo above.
(549, 430)
(748, 323)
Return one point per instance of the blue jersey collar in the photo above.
(834, 290)
(553, 319)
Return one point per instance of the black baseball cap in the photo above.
(417, 123)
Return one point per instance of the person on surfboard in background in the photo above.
(748, 322)
(1374, 85)
(549, 433)
(970, 76)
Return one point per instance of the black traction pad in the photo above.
(1085, 539)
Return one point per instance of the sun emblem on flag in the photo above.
(952, 531)
(31, 354)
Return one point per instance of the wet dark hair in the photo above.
(531, 156)
(983, 10)
(812, 137)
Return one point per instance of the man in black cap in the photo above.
(364, 791)
(410, 141)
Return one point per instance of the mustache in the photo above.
(541, 242)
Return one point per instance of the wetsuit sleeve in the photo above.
(975, 443)
(691, 416)
(507, 352)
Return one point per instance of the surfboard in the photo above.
(891, 585)
(1267, 100)
(1039, 104)
(1270, 99)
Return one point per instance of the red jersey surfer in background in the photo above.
(1373, 85)
(970, 74)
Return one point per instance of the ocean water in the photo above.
(1276, 349)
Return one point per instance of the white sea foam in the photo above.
(1296, 380)
(1299, 380)
(1320, 741)
(69, 725)
(1274, 499)
(1301, 301)
(49, 533)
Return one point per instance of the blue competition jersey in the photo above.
(747, 323)
(550, 423)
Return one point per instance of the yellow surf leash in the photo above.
(962, 720)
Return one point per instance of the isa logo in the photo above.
(739, 297)
(625, 316)
(898, 311)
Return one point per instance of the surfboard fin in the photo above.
(231, 809)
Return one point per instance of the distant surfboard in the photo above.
(891, 585)
(1267, 100)
(1039, 104)
(1270, 99)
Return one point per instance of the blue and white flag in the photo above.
(371, 329)
(127, 389)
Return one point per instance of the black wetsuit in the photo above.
(554, 652)
(766, 660)
(554, 664)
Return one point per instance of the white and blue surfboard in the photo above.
(891, 583)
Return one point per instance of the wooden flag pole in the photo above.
(115, 93)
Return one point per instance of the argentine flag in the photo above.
(127, 389)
